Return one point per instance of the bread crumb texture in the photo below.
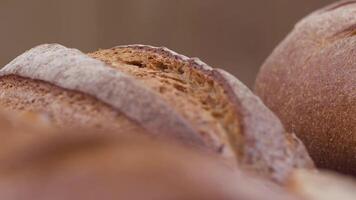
(194, 94)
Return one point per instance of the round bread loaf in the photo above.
(87, 166)
(156, 91)
(309, 81)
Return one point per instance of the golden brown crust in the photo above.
(97, 166)
(72, 70)
(64, 108)
(267, 149)
(86, 87)
(309, 82)
(196, 96)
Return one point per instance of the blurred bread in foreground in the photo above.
(13, 123)
(313, 185)
(89, 166)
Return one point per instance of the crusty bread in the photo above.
(77, 166)
(309, 82)
(156, 91)
(313, 185)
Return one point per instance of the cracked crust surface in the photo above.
(72, 70)
(195, 95)
(214, 98)
(309, 82)
(158, 90)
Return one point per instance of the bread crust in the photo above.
(263, 130)
(309, 82)
(77, 71)
(267, 150)
(62, 107)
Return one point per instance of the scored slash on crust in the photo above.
(73, 70)
(266, 147)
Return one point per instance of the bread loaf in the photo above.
(152, 90)
(87, 166)
(312, 185)
(309, 82)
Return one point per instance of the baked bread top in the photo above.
(157, 91)
(309, 82)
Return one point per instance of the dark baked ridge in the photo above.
(255, 134)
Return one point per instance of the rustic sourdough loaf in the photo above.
(152, 90)
(77, 166)
(309, 81)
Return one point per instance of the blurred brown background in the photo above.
(233, 34)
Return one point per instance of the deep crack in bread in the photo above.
(155, 91)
